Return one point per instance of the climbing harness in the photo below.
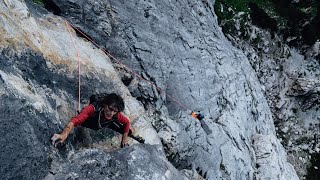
(198, 116)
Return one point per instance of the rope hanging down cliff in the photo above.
(198, 116)
(78, 56)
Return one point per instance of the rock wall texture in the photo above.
(289, 76)
(178, 46)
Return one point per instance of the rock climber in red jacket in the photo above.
(101, 112)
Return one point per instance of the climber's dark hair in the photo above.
(114, 99)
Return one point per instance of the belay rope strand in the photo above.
(198, 116)
(78, 56)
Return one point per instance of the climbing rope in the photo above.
(127, 68)
(197, 116)
(78, 56)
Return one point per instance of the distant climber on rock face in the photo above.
(103, 111)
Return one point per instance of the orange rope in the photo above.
(134, 73)
(78, 56)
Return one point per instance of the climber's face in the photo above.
(109, 111)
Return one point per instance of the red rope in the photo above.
(134, 73)
(78, 56)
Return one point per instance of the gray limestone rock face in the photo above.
(179, 47)
(39, 91)
(290, 82)
(134, 162)
(307, 88)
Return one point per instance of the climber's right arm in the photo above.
(60, 138)
(76, 121)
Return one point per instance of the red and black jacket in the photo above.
(92, 117)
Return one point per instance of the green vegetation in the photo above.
(310, 8)
(228, 9)
(40, 2)
(243, 5)
(271, 7)
(279, 16)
